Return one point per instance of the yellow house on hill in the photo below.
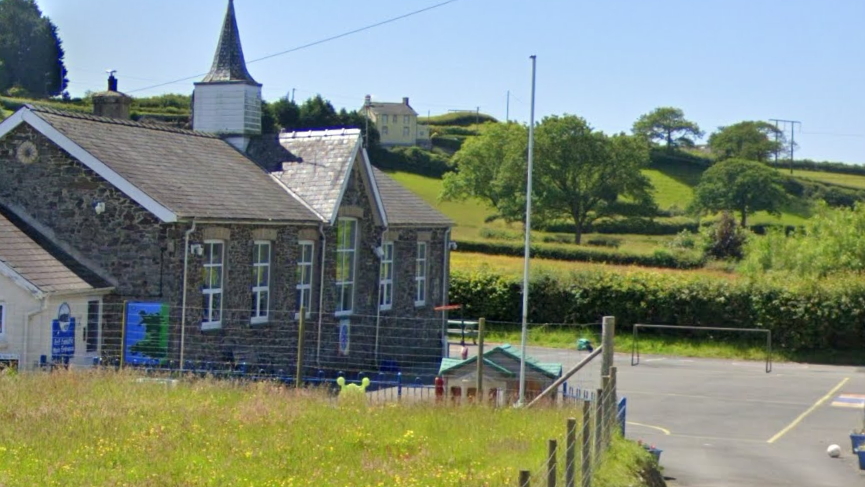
(397, 123)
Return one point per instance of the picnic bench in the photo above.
(464, 328)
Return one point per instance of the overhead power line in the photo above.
(311, 44)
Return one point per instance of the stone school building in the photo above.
(231, 231)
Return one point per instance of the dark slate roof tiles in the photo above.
(228, 63)
(190, 173)
(404, 208)
(322, 162)
(36, 259)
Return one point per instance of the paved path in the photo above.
(728, 423)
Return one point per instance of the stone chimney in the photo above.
(405, 100)
(111, 103)
(367, 100)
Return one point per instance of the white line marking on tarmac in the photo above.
(808, 411)
(662, 430)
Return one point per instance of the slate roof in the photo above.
(403, 207)
(228, 63)
(391, 108)
(320, 166)
(190, 173)
(35, 258)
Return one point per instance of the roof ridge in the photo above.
(306, 134)
(117, 121)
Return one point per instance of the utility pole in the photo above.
(508, 108)
(478, 115)
(777, 134)
(792, 137)
(292, 95)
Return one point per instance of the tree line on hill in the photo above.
(582, 174)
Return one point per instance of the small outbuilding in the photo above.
(50, 302)
(501, 373)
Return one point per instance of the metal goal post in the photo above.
(635, 350)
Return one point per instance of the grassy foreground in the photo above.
(100, 428)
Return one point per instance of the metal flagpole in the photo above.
(528, 239)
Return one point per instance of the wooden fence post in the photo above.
(525, 480)
(298, 378)
(571, 447)
(481, 399)
(586, 446)
(608, 334)
(552, 451)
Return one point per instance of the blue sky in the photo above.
(608, 61)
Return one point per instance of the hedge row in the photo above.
(801, 316)
(660, 258)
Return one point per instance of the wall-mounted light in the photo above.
(379, 252)
(196, 249)
(452, 245)
(99, 207)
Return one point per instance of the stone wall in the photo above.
(144, 259)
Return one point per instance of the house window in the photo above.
(406, 131)
(91, 335)
(420, 274)
(214, 252)
(385, 290)
(304, 277)
(346, 246)
(2, 319)
(260, 281)
(405, 119)
(384, 130)
(384, 119)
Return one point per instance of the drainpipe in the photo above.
(25, 339)
(378, 304)
(183, 299)
(321, 291)
(445, 285)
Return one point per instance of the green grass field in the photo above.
(847, 180)
(102, 428)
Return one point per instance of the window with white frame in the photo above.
(384, 119)
(346, 251)
(260, 281)
(385, 291)
(405, 119)
(304, 276)
(420, 274)
(384, 130)
(406, 131)
(211, 290)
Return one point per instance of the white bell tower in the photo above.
(228, 101)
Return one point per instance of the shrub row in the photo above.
(802, 316)
(660, 258)
(457, 118)
(633, 226)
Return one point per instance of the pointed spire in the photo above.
(228, 63)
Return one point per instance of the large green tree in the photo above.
(492, 168)
(753, 140)
(667, 125)
(582, 173)
(30, 50)
(739, 185)
(319, 113)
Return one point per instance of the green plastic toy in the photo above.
(352, 390)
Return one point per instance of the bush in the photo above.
(802, 314)
(627, 226)
(457, 118)
(411, 159)
(500, 234)
(582, 254)
(451, 143)
(725, 240)
(610, 242)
